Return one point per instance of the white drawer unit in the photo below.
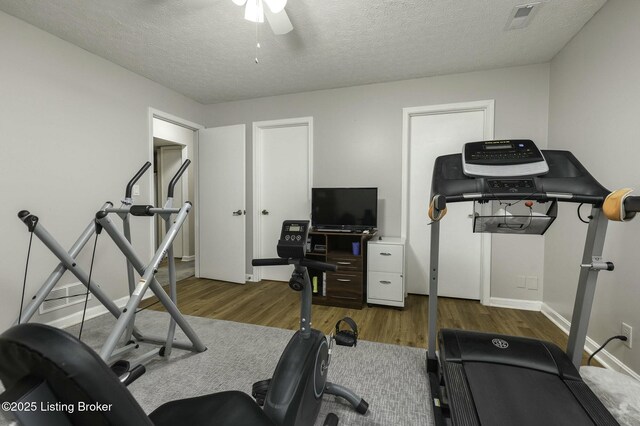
(385, 257)
(385, 272)
(385, 286)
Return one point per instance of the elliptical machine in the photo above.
(294, 393)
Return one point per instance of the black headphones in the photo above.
(346, 337)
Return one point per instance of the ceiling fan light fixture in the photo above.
(254, 11)
(276, 6)
(274, 13)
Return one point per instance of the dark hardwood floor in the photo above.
(274, 304)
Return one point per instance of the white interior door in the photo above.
(221, 203)
(170, 160)
(461, 251)
(282, 184)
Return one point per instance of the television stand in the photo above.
(347, 286)
(346, 231)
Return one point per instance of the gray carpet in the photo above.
(391, 378)
(183, 270)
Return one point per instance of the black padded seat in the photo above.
(231, 408)
(74, 372)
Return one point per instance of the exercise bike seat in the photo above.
(37, 354)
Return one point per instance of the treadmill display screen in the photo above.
(503, 158)
(504, 146)
(500, 153)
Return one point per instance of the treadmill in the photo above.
(489, 379)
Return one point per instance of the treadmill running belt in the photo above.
(507, 395)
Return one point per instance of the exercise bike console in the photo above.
(292, 247)
(293, 239)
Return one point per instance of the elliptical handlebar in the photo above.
(135, 178)
(313, 264)
(177, 176)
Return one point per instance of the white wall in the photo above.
(358, 139)
(595, 112)
(75, 128)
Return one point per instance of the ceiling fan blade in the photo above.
(276, 6)
(280, 23)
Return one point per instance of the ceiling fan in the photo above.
(275, 13)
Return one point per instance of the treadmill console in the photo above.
(518, 157)
(293, 239)
(511, 186)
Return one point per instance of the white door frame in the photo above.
(164, 116)
(257, 146)
(487, 107)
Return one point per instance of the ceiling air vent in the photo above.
(522, 15)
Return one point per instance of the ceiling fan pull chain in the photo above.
(257, 44)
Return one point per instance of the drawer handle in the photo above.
(385, 254)
(344, 297)
(385, 282)
(343, 280)
(343, 263)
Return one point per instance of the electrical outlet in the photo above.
(627, 330)
(136, 190)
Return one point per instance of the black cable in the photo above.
(86, 298)
(509, 226)
(525, 227)
(142, 309)
(527, 196)
(621, 337)
(504, 220)
(580, 217)
(24, 283)
(501, 203)
(64, 297)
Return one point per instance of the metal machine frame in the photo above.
(126, 317)
(295, 391)
(584, 297)
(468, 361)
(67, 258)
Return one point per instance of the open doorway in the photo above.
(172, 145)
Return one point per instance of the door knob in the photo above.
(265, 212)
(237, 213)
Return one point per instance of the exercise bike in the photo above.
(294, 393)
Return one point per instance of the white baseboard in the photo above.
(605, 358)
(527, 305)
(188, 258)
(95, 311)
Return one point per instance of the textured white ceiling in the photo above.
(205, 49)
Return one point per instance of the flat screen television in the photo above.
(344, 208)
